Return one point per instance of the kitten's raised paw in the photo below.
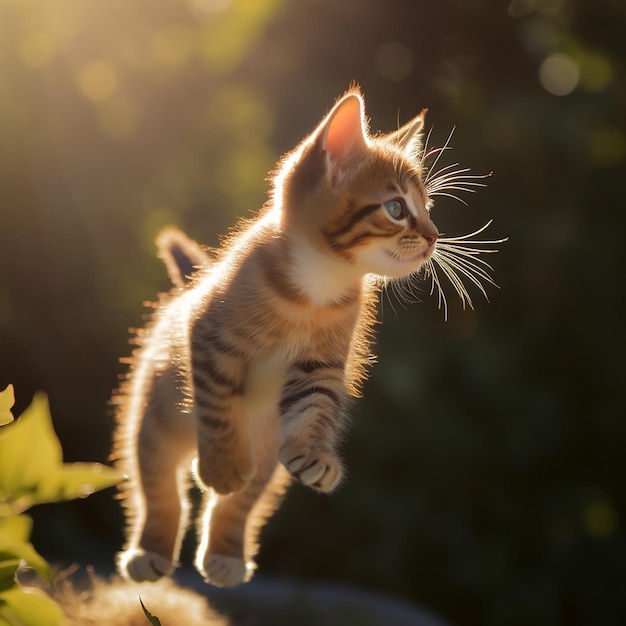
(224, 571)
(317, 468)
(140, 565)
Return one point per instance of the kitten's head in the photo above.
(365, 199)
(360, 197)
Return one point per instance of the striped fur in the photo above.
(246, 373)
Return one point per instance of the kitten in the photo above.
(247, 372)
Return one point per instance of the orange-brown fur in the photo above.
(248, 369)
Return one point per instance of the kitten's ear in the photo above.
(343, 136)
(409, 137)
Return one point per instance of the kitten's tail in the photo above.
(182, 256)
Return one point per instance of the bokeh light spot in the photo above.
(595, 72)
(559, 74)
(97, 81)
(394, 61)
(607, 145)
(37, 49)
(600, 519)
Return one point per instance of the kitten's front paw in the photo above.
(140, 565)
(224, 571)
(315, 467)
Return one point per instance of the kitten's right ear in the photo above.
(409, 137)
(343, 137)
(182, 256)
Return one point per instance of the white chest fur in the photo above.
(322, 278)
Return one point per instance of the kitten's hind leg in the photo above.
(155, 502)
(230, 525)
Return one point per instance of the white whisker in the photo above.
(438, 152)
(441, 171)
(449, 195)
(466, 238)
(431, 270)
(471, 256)
(464, 268)
(385, 287)
(440, 185)
(453, 277)
(456, 185)
(456, 258)
(425, 152)
(471, 265)
(443, 176)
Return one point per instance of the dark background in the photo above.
(486, 476)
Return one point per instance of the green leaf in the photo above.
(8, 567)
(15, 547)
(18, 526)
(155, 621)
(31, 464)
(28, 451)
(7, 400)
(76, 480)
(29, 608)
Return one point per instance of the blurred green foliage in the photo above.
(31, 472)
(486, 473)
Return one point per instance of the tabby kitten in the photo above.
(246, 374)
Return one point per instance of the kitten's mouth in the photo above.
(412, 259)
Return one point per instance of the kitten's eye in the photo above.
(395, 208)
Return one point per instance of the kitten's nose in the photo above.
(431, 234)
(431, 238)
(428, 230)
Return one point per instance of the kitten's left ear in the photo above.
(409, 137)
(343, 136)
